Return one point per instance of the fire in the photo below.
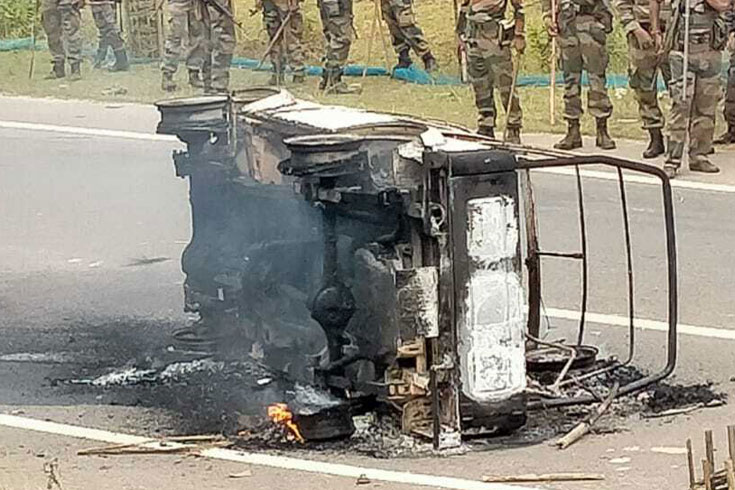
(281, 415)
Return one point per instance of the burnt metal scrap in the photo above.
(382, 259)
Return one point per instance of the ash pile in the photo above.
(346, 262)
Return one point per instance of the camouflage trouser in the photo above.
(704, 91)
(729, 111)
(336, 18)
(220, 48)
(643, 68)
(185, 36)
(490, 65)
(288, 49)
(105, 18)
(61, 21)
(583, 41)
(404, 32)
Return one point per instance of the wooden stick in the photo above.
(99, 450)
(709, 449)
(690, 464)
(730, 474)
(551, 477)
(378, 13)
(674, 411)
(584, 427)
(373, 26)
(707, 475)
(731, 441)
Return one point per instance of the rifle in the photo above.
(685, 74)
(276, 37)
(459, 23)
(222, 10)
(33, 41)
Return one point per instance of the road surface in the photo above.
(93, 222)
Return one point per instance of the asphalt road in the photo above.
(91, 231)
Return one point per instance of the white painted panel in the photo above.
(492, 229)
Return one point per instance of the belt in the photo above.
(695, 38)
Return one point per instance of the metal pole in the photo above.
(685, 88)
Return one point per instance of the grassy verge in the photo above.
(455, 104)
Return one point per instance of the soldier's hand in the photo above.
(645, 41)
(519, 43)
(658, 41)
(552, 27)
(731, 42)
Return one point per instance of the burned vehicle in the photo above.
(382, 259)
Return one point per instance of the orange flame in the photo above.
(280, 414)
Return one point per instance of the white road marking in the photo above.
(642, 324)
(268, 460)
(107, 133)
(595, 174)
(642, 179)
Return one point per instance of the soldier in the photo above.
(104, 13)
(289, 48)
(61, 21)
(488, 43)
(644, 64)
(185, 39)
(729, 135)
(582, 27)
(220, 46)
(336, 16)
(695, 113)
(406, 34)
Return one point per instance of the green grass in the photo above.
(455, 104)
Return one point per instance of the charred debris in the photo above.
(370, 262)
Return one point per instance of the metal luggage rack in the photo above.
(528, 159)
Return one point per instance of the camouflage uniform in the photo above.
(707, 38)
(405, 33)
(61, 21)
(289, 48)
(104, 13)
(185, 39)
(336, 16)
(489, 61)
(729, 111)
(644, 63)
(221, 40)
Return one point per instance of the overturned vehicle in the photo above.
(385, 260)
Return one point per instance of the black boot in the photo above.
(167, 82)
(603, 139)
(277, 79)
(404, 60)
(699, 163)
(101, 55)
(195, 79)
(655, 144)
(728, 137)
(57, 71)
(513, 135)
(76, 72)
(299, 78)
(488, 131)
(333, 84)
(429, 63)
(121, 61)
(573, 138)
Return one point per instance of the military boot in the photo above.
(655, 144)
(335, 85)
(728, 137)
(573, 138)
(488, 131)
(513, 135)
(167, 82)
(195, 80)
(100, 57)
(75, 73)
(429, 63)
(57, 71)
(299, 78)
(673, 158)
(404, 60)
(699, 163)
(121, 61)
(277, 79)
(603, 139)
